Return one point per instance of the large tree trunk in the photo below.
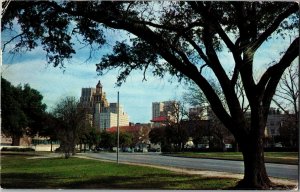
(255, 174)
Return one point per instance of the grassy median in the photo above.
(270, 157)
(19, 172)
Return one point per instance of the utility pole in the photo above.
(118, 129)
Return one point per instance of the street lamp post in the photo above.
(118, 129)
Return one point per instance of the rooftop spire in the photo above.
(99, 84)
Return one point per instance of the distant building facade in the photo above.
(102, 114)
(274, 122)
(164, 112)
(201, 113)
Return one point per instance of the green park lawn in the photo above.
(270, 157)
(57, 173)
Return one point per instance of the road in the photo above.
(274, 170)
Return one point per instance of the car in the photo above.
(154, 150)
(127, 149)
(98, 149)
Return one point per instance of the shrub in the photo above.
(16, 149)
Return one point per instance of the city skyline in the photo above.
(54, 84)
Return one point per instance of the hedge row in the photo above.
(16, 149)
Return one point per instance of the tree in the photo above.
(90, 137)
(156, 135)
(107, 140)
(175, 130)
(159, 136)
(22, 111)
(31, 104)
(215, 130)
(49, 128)
(182, 38)
(287, 99)
(140, 136)
(287, 93)
(125, 139)
(72, 122)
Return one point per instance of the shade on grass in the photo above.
(75, 173)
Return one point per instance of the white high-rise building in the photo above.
(110, 120)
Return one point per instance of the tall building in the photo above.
(157, 108)
(109, 118)
(164, 112)
(104, 115)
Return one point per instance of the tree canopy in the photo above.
(22, 110)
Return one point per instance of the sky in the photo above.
(54, 83)
(136, 95)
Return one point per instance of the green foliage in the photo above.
(126, 139)
(33, 108)
(108, 140)
(171, 138)
(16, 149)
(22, 110)
(89, 136)
(156, 135)
(50, 127)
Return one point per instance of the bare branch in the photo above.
(15, 37)
(280, 106)
(272, 75)
(198, 49)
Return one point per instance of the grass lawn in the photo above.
(270, 157)
(57, 173)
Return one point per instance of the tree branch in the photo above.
(270, 79)
(278, 105)
(291, 53)
(4, 45)
(198, 49)
(263, 37)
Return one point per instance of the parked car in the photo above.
(154, 150)
(98, 149)
(127, 149)
(279, 145)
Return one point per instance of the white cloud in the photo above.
(136, 96)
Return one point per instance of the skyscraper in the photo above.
(96, 105)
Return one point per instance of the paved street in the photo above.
(274, 170)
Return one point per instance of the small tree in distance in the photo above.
(72, 120)
(287, 99)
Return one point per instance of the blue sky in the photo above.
(136, 95)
